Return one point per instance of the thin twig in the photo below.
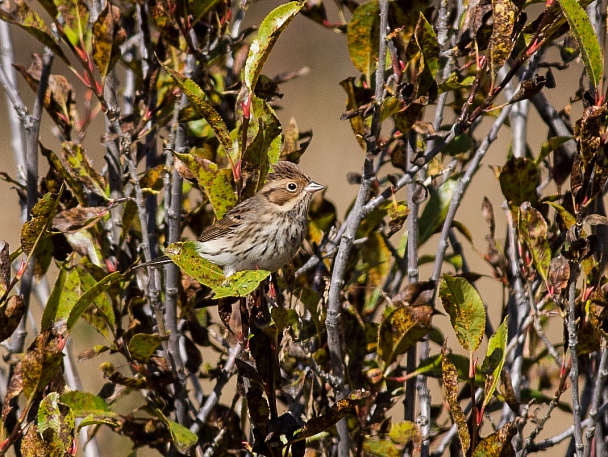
(572, 346)
(32, 128)
(602, 372)
(464, 182)
(114, 163)
(409, 401)
(214, 396)
(518, 310)
(172, 272)
(8, 80)
(332, 321)
(569, 432)
(551, 117)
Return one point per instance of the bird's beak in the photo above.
(313, 187)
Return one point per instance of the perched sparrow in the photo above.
(265, 231)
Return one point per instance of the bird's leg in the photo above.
(272, 293)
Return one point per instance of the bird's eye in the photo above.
(292, 187)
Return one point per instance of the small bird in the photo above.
(265, 231)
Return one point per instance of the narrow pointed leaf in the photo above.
(66, 293)
(500, 44)
(436, 210)
(197, 97)
(182, 438)
(532, 229)
(450, 392)
(381, 448)
(495, 360)
(581, 28)
(268, 34)
(25, 17)
(551, 145)
(33, 230)
(106, 38)
(40, 363)
(90, 295)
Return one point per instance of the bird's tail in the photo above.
(163, 259)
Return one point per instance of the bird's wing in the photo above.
(221, 228)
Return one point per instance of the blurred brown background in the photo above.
(316, 101)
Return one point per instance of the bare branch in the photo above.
(572, 346)
(602, 373)
(464, 182)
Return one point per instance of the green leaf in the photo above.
(80, 166)
(432, 367)
(75, 20)
(240, 284)
(519, 179)
(453, 83)
(324, 421)
(551, 145)
(265, 128)
(450, 392)
(282, 318)
(498, 443)
(357, 123)
(568, 218)
(198, 8)
(143, 345)
(34, 230)
(401, 329)
(104, 40)
(495, 359)
(197, 97)
(501, 44)
(91, 295)
(85, 403)
(381, 448)
(59, 167)
(182, 438)
(532, 229)
(363, 37)
(268, 34)
(404, 432)
(65, 295)
(427, 43)
(377, 258)
(56, 424)
(465, 308)
(101, 316)
(25, 17)
(581, 28)
(110, 419)
(216, 182)
(40, 363)
(436, 210)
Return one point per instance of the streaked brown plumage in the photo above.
(265, 231)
